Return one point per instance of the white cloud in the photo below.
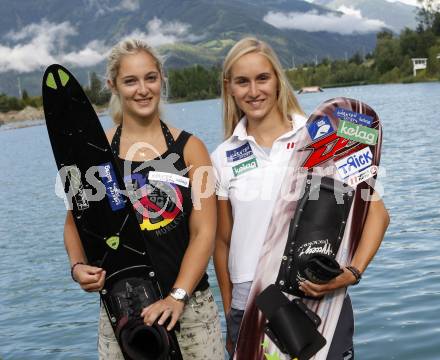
(160, 33)
(41, 44)
(38, 46)
(130, 5)
(312, 22)
(103, 7)
(350, 11)
(408, 2)
(93, 53)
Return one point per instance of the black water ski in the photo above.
(105, 219)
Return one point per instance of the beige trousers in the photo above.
(199, 337)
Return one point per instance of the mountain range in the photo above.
(79, 33)
(395, 15)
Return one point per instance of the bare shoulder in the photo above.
(194, 144)
(195, 152)
(110, 133)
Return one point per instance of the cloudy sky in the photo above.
(350, 22)
(42, 43)
(409, 2)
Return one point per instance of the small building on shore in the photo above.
(419, 64)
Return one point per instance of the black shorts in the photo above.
(342, 343)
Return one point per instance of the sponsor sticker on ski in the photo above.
(245, 166)
(239, 153)
(354, 117)
(357, 133)
(168, 177)
(108, 177)
(320, 128)
(364, 175)
(354, 163)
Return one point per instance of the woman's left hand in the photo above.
(318, 290)
(162, 310)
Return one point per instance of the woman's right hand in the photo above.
(90, 278)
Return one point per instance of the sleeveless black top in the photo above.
(164, 208)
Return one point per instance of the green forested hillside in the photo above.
(193, 67)
(389, 62)
(397, 15)
(210, 26)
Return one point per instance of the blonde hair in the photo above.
(286, 100)
(127, 47)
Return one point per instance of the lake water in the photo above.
(44, 315)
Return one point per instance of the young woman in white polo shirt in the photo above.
(261, 120)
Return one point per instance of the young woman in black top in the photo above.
(165, 165)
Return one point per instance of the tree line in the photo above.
(96, 92)
(389, 62)
(194, 83)
(9, 103)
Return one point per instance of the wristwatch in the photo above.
(179, 295)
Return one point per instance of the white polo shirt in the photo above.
(251, 179)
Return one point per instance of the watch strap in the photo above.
(174, 293)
